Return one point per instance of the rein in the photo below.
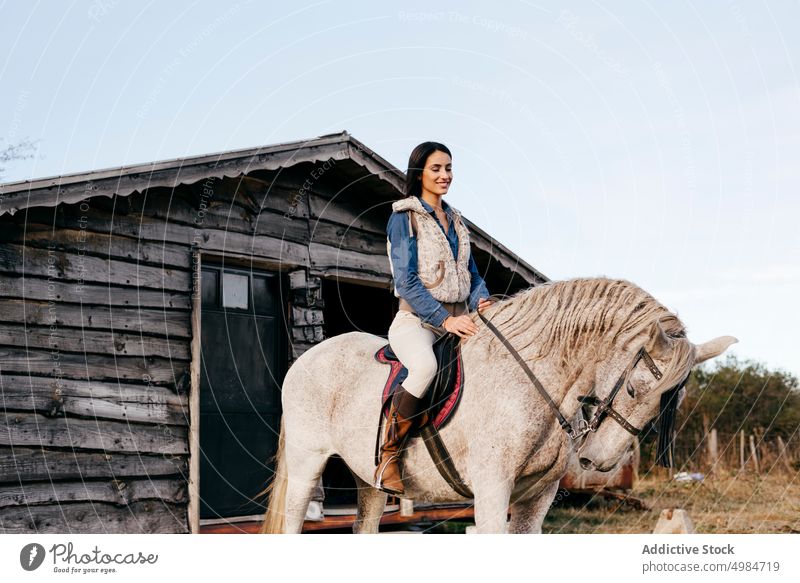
(604, 405)
(565, 425)
(666, 426)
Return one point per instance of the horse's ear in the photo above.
(713, 348)
(660, 344)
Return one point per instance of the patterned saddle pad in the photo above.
(444, 392)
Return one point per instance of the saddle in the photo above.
(440, 402)
(444, 393)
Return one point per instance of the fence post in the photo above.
(713, 451)
(783, 454)
(753, 453)
(761, 445)
(741, 451)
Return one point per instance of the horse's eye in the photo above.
(630, 390)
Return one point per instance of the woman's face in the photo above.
(437, 174)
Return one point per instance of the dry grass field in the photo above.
(724, 504)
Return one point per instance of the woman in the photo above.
(437, 282)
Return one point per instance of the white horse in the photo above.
(578, 337)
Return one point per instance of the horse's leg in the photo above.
(371, 504)
(303, 469)
(527, 515)
(491, 505)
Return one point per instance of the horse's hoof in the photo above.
(315, 511)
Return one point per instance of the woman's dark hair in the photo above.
(416, 164)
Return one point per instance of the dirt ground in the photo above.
(725, 504)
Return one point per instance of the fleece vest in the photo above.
(447, 279)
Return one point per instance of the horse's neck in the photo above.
(562, 387)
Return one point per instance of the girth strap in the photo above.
(437, 450)
(443, 461)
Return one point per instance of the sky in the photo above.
(654, 142)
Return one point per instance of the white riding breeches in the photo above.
(413, 345)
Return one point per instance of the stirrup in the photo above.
(379, 478)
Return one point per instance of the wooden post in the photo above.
(783, 454)
(753, 453)
(307, 321)
(695, 456)
(741, 451)
(758, 432)
(706, 437)
(674, 521)
(194, 401)
(713, 450)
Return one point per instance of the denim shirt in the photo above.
(404, 267)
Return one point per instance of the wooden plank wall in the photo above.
(95, 333)
(94, 351)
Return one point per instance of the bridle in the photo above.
(604, 406)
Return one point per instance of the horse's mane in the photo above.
(582, 320)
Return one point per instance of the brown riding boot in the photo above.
(404, 415)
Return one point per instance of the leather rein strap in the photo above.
(604, 406)
(444, 461)
(565, 425)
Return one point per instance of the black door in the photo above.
(244, 358)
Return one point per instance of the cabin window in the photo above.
(210, 287)
(234, 291)
(265, 294)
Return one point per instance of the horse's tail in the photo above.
(275, 516)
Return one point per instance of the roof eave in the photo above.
(124, 180)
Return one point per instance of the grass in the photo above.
(722, 504)
(727, 503)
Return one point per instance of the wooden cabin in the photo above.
(148, 316)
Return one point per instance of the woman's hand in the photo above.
(484, 303)
(462, 326)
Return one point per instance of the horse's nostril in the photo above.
(586, 463)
